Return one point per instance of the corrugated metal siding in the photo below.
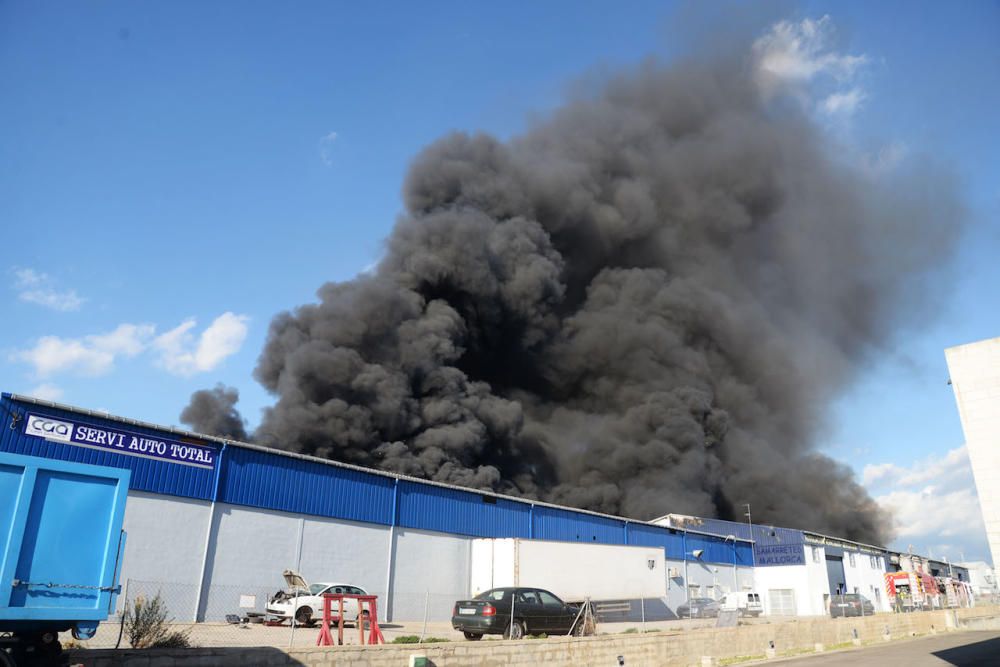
(466, 513)
(763, 534)
(147, 474)
(713, 549)
(653, 536)
(566, 526)
(744, 554)
(260, 479)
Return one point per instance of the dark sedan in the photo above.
(851, 604)
(699, 608)
(536, 611)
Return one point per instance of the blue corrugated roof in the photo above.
(464, 512)
(257, 477)
(150, 475)
(551, 523)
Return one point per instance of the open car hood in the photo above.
(294, 580)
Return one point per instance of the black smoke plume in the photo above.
(213, 411)
(642, 305)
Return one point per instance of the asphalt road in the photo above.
(962, 649)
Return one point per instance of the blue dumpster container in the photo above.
(61, 544)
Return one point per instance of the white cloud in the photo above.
(326, 148)
(181, 353)
(843, 103)
(91, 355)
(792, 56)
(47, 391)
(39, 288)
(934, 503)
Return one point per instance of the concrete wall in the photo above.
(203, 560)
(429, 568)
(166, 538)
(653, 649)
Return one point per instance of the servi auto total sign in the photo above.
(120, 441)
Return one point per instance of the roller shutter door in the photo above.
(781, 601)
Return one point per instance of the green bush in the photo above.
(147, 626)
(414, 639)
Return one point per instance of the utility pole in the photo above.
(753, 542)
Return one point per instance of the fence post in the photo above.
(423, 630)
(121, 617)
(295, 609)
(642, 600)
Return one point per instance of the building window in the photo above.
(816, 554)
(850, 559)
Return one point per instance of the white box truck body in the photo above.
(574, 571)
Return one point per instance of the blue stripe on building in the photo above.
(274, 480)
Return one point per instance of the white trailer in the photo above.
(574, 571)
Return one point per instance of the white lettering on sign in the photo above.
(124, 442)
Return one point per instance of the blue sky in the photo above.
(174, 174)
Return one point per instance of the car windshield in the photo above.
(316, 589)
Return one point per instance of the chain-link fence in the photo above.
(244, 615)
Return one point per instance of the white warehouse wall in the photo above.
(867, 577)
(975, 378)
(429, 568)
(808, 584)
(164, 545)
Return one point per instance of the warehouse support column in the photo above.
(736, 576)
(209, 537)
(687, 588)
(390, 558)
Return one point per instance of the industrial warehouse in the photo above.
(221, 521)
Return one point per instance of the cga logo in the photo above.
(48, 428)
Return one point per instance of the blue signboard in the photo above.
(780, 554)
(119, 441)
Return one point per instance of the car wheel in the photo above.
(514, 631)
(472, 636)
(303, 616)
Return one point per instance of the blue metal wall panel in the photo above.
(147, 474)
(272, 481)
(568, 526)
(714, 549)
(429, 507)
(654, 536)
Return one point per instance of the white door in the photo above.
(782, 601)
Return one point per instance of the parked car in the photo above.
(303, 601)
(535, 610)
(747, 603)
(699, 608)
(851, 604)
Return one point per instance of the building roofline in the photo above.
(337, 464)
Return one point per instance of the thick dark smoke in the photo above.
(213, 411)
(642, 305)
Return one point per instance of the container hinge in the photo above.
(51, 584)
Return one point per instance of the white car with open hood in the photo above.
(303, 601)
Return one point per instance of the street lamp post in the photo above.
(753, 542)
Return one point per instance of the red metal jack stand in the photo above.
(374, 635)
